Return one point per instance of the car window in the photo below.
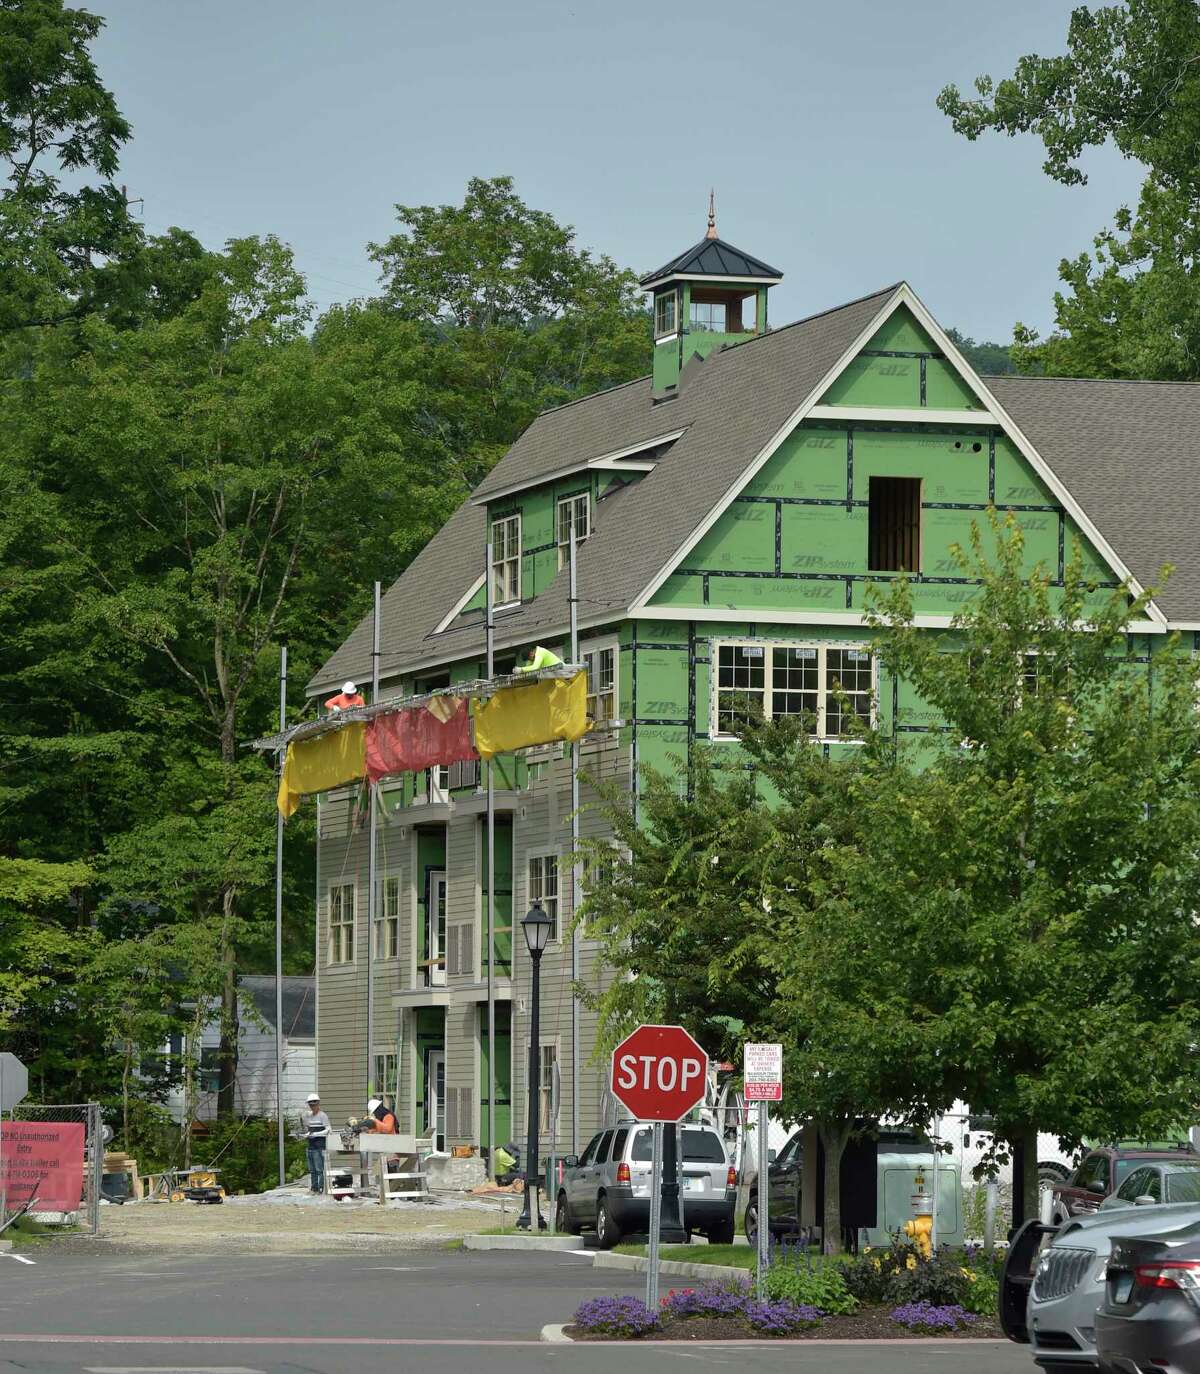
(643, 1147)
(1133, 1185)
(1153, 1185)
(1183, 1185)
(1125, 1167)
(602, 1148)
(702, 1147)
(1092, 1172)
(589, 1154)
(618, 1149)
(791, 1151)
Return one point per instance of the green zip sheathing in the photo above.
(503, 1071)
(431, 858)
(430, 1036)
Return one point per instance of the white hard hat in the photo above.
(373, 1104)
(349, 688)
(313, 1097)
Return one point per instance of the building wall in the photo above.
(255, 1091)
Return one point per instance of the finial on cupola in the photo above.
(712, 215)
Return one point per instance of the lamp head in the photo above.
(536, 925)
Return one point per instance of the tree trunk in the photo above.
(126, 1069)
(834, 1135)
(1024, 1142)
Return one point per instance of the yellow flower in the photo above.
(912, 1261)
(969, 1274)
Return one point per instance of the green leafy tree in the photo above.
(1046, 858)
(989, 359)
(1130, 75)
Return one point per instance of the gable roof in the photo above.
(714, 258)
(1125, 455)
(729, 407)
(1130, 454)
(299, 1003)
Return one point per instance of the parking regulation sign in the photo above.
(762, 1072)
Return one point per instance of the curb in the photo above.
(681, 1269)
(556, 1335)
(5, 1245)
(520, 1242)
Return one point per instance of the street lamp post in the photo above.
(536, 926)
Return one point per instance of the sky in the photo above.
(814, 122)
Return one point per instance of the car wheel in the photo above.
(607, 1231)
(1051, 1173)
(750, 1225)
(562, 1218)
(721, 1234)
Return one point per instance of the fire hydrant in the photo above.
(920, 1228)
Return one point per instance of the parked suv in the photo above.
(1102, 1171)
(607, 1189)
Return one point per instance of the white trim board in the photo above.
(849, 619)
(904, 295)
(605, 461)
(460, 604)
(914, 414)
(719, 277)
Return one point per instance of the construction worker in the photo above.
(380, 1119)
(539, 657)
(317, 1128)
(347, 698)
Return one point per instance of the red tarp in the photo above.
(42, 1158)
(415, 739)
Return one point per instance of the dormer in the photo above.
(712, 295)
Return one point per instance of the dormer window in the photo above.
(709, 315)
(664, 313)
(574, 512)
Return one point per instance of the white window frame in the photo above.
(506, 569)
(340, 933)
(589, 650)
(767, 646)
(387, 1076)
(536, 891)
(387, 918)
(549, 1055)
(662, 329)
(700, 325)
(562, 532)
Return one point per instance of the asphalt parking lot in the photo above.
(435, 1311)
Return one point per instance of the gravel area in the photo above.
(284, 1221)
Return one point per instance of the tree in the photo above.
(729, 911)
(63, 244)
(1049, 857)
(989, 359)
(518, 318)
(1131, 75)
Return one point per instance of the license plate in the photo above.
(1122, 1287)
(693, 1185)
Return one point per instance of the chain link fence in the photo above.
(19, 1180)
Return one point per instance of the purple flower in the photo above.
(625, 1316)
(925, 1316)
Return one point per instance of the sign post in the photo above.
(14, 1084)
(762, 1078)
(658, 1074)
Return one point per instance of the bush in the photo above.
(982, 1295)
(734, 1299)
(900, 1274)
(246, 1153)
(811, 1282)
(926, 1316)
(627, 1316)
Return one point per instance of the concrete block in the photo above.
(449, 1175)
(519, 1241)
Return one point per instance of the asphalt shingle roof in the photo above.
(1129, 452)
(299, 1003)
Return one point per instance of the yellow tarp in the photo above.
(315, 765)
(541, 713)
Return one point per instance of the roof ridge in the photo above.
(1123, 381)
(591, 396)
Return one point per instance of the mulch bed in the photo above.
(872, 1324)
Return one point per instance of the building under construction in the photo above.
(726, 513)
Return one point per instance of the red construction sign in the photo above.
(658, 1073)
(42, 1159)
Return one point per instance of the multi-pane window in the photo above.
(574, 512)
(543, 887)
(387, 920)
(664, 312)
(208, 1077)
(709, 316)
(829, 687)
(386, 1068)
(547, 1073)
(506, 560)
(341, 924)
(601, 665)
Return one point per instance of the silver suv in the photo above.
(1048, 1299)
(607, 1189)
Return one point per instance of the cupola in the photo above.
(712, 295)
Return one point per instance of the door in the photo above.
(1088, 1185)
(436, 944)
(783, 1190)
(435, 1096)
(580, 1200)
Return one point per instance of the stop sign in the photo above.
(658, 1073)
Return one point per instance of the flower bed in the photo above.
(730, 1311)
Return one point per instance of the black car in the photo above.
(1150, 1316)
